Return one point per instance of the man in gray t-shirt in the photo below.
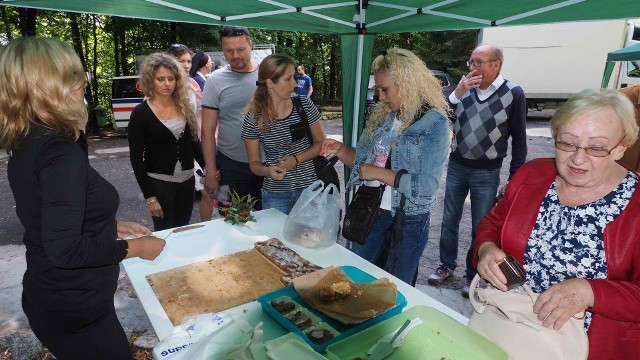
(226, 93)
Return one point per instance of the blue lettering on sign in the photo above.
(174, 350)
(217, 319)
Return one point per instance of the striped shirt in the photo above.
(277, 142)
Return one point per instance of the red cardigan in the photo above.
(614, 332)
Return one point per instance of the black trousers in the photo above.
(239, 177)
(88, 334)
(176, 200)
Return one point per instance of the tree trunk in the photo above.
(173, 32)
(94, 67)
(333, 73)
(27, 21)
(116, 46)
(5, 21)
(123, 52)
(76, 38)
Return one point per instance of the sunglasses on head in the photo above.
(234, 31)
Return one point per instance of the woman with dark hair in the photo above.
(73, 240)
(273, 121)
(200, 68)
(162, 141)
(408, 130)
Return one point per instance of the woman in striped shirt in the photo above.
(273, 121)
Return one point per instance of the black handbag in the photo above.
(361, 212)
(324, 167)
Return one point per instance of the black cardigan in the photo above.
(153, 147)
(68, 211)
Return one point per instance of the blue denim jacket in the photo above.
(421, 150)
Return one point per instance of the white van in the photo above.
(125, 95)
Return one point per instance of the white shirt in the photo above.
(482, 94)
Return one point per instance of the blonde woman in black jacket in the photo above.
(74, 243)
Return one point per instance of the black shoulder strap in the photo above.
(297, 103)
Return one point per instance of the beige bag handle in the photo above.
(480, 304)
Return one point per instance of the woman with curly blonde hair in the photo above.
(68, 210)
(404, 147)
(162, 141)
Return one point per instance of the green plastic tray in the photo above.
(438, 336)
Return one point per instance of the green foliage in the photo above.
(443, 50)
(119, 40)
(238, 211)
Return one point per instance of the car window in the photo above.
(125, 88)
(443, 79)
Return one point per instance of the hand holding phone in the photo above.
(513, 271)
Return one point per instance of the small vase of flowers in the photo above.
(238, 209)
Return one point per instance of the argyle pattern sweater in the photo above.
(482, 129)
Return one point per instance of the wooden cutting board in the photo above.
(215, 285)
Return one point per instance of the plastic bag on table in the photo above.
(216, 336)
(314, 220)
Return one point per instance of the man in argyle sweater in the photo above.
(489, 110)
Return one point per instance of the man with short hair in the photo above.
(226, 94)
(305, 85)
(489, 110)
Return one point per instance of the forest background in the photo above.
(108, 46)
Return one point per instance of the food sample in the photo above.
(319, 335)
(283, 305)
(286, 259)
(300, 320)
(335, 291)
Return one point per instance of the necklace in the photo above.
(162, 116)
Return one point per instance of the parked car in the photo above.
(125, 95)
(447, 87)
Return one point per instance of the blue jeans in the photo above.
(414, 240)
(239, 177)
(280, 200)
(483, 185)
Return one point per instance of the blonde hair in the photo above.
(261, 109)
(592, 99)
(37, 76)
(417, 88)
(180, 95)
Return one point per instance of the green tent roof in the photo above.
(341, 17)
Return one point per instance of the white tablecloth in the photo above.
(218, 238)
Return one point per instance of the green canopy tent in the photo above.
(355, 20)
(631, 53)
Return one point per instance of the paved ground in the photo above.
(111, 158)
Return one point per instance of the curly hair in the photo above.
(261, 108)
(417, 88)
(180, 95)
(37, 76)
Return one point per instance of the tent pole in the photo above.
(356, 99)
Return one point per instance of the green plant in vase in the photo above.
(238, 210)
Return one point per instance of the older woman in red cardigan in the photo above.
(573, 223)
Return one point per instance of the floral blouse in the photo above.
(567, 242)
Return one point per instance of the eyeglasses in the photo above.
(591, 151)
(478, 63)
(234, 31)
